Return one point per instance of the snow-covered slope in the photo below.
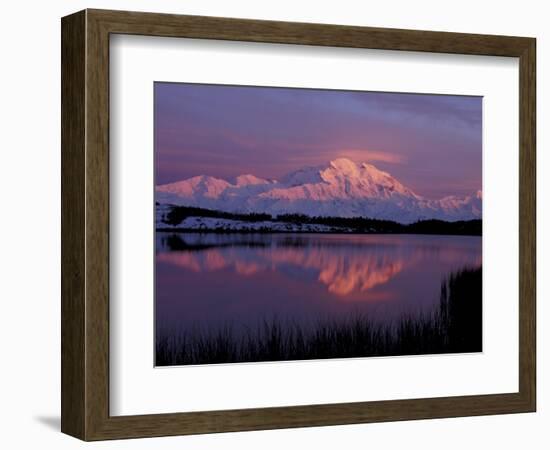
(342, 188)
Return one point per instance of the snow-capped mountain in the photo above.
(340, 189)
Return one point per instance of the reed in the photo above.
(454, 326)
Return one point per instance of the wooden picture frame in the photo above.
(85, 224)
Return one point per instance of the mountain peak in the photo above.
(207, 185)
(371, 168)
(248, 179)
(345, 165)
(348, 167)
(339, 188)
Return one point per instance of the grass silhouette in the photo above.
(454, 326)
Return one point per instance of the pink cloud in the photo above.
(364, 155)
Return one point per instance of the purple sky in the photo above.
(431, 143)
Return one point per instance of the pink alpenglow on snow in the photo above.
(430, 143)
(340, 188)
(275, 224)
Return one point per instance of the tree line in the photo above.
(177, 214)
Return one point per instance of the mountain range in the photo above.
(341, 188)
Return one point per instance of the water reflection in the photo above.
(208, 283)
(344, 264)
(211, 280)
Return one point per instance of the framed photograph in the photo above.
(273, 225)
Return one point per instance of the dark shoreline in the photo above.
(206, 231)
(264, 223)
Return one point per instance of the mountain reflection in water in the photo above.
(207, 281)
(216, 291)
(347, 265)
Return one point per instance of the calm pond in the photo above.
(207, 281)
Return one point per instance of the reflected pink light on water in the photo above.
(246, 268)
(358, 278)
(342, 271)
(342, 275)
(211, 280)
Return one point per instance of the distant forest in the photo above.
(177, 214)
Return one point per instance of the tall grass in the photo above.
(454, 326)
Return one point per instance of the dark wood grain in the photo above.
(73, 111)
(151, 24)
(97, 225)
(85, 224)
(527, 223)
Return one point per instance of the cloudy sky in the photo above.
(431, 143)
